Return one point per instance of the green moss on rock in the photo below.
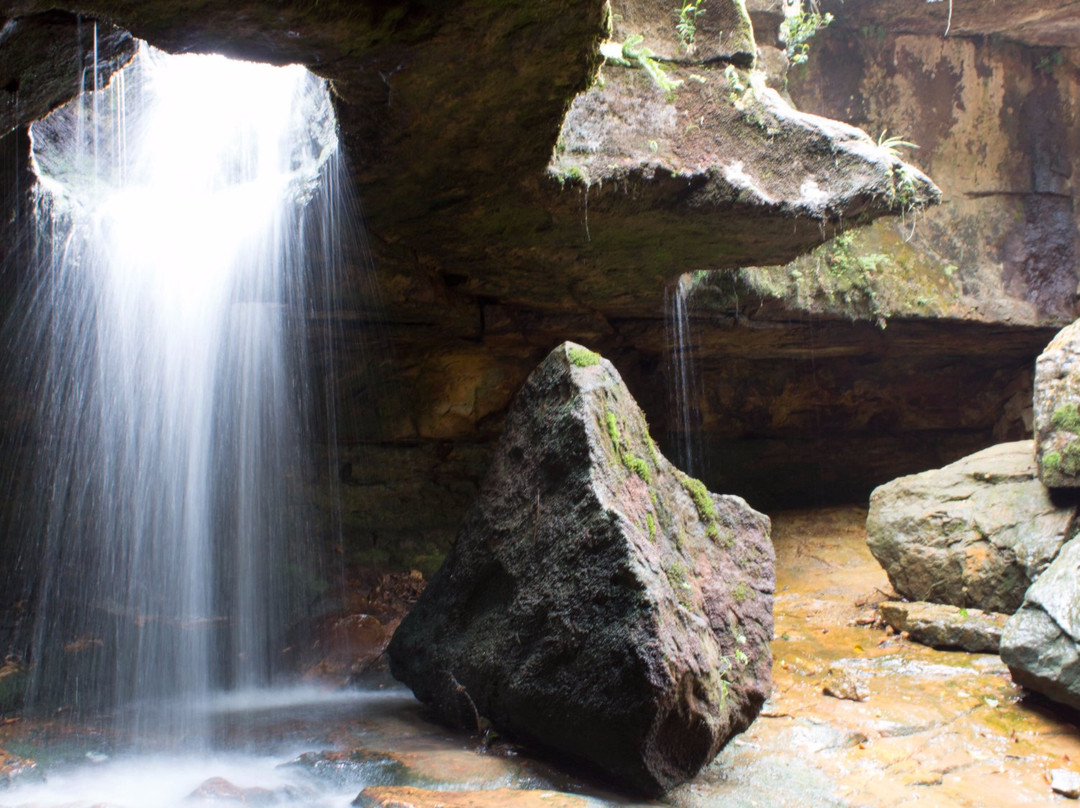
(637, 465)
(1051, 461)
(582, 357)
(1070, 459)
(1066, 417)
(613, 428)
(700, 496)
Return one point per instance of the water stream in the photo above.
(166, 333)
(683, 380)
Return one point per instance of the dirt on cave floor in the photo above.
(933, 729)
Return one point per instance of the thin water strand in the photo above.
(683, 381)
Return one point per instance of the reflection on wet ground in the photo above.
(905, 726)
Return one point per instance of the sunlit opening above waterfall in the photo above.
(181, 163)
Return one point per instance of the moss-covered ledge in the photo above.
(683, 140)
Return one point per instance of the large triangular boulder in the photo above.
(597, 602)
(1057, 417)
(974, 534)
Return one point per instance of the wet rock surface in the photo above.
(597, 602)
(1057, 417)
(973, 534)
(220, 790)
(941, 626)
(407, 797)
(937, 730)
(352, 766)
(1041, 643)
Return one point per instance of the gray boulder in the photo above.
(973, 534)
(1057, 419)
(1041, 643)
(597, 602)
(941, 626)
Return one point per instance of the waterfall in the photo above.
(683, 383)
(165, 330)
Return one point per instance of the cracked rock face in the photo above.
(597, 602)
(975, 533)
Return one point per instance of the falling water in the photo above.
(165, 327)
(683, 382)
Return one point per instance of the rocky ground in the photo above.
(858, 717)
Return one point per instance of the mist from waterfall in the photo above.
(165, 333)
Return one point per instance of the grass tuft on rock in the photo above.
(582, 357)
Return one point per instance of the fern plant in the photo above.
(798, 30)
(686, 27)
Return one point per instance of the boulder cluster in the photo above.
(997, 532)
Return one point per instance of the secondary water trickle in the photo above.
(176, 208)
(683, 380)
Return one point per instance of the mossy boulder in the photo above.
(597, 602)
(973, 534)
(1057, 415)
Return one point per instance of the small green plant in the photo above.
(686, 27)
(1066, 417)
(797, 30)
(963, 613)
(737, 88)
(577, 174)
(637, 465)
(634, 51)
(741, 656)
(583, 357)
(893, 144)
(700, 496)
(741, 592)
(902, 190)
(613, 428)
(650, 522)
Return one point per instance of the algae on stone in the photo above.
(587, 609)
(1057, 415)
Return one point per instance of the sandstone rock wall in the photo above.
(992, 110)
